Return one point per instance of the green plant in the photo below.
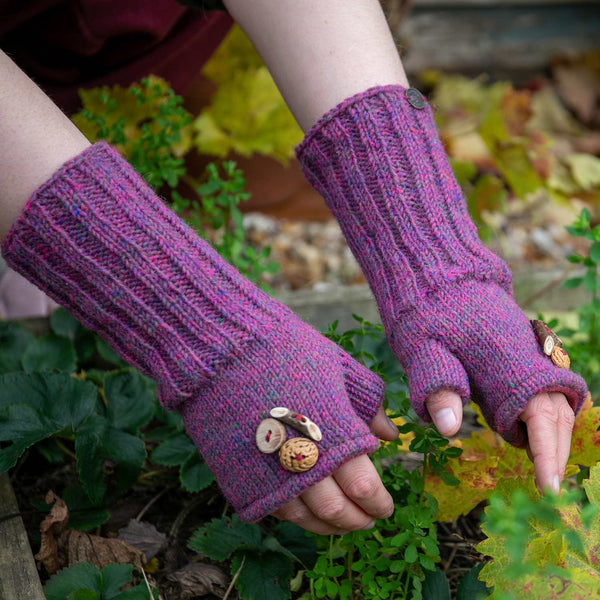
(542, 547)
(84, 581)
(102, 419)
(262, 565)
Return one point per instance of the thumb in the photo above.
(445, 408)
(433, 371)
(383, 427)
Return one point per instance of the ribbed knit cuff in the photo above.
(378, 162)
(97, 240)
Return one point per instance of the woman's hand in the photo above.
(352, 498)
(549, 419)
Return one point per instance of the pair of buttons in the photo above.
(296, 455)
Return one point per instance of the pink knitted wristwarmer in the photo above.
(101, 243)
(445, 300)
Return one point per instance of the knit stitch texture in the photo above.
(445, 300)
(98, 240)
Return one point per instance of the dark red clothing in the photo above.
(65, 45)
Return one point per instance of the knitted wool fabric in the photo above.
(445, 300)
(102, 244)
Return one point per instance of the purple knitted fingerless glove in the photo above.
(445, 300)
(102, 244)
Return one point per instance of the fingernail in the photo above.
(370, 525)
(392, 426)
(556, 484)
(445, 419)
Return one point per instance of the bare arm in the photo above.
(321, 51)
(36, 138)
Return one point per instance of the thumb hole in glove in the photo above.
(432, 368)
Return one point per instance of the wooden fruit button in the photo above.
(297, 421)
(298, 455)
(560, 358)
(270, 435)
(546, 338)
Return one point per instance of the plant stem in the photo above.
(65, 449)
(237, 574)
(149, 474)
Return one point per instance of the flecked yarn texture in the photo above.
(98, 240)
(445, 300)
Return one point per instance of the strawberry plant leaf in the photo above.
(264, 575)
(84, 595)
(173, 451)
(95, 442)
(81, 575)
(195, 474)
(114, 577)
(296, 540)
(83, 515)
(470, 588)
(221, 537)
(129, 400)
(36, 406)
(435, 586)
(48, 353)
(14, 339)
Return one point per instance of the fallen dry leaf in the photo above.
(198, 579)
(143, 536)
(61, 547)
(51, 527)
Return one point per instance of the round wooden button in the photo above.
(298, 455)
(270, 435)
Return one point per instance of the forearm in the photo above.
(36, 138)
(320, 53)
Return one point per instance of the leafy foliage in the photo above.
(263, 565)
(105, 419)
(83, 581)
(247, 113)
(542, 547)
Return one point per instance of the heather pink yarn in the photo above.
(445, 300)
(101, 243)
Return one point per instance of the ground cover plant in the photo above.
(129, 510)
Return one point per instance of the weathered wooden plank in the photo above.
(19, 578)
(488, 38)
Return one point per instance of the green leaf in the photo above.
(50, 352)
(595, 252)
(298, 542)
(195, 474)
(129, 400)
(221, 537)
(173, 451)
(139, 592)
(470, 588)
(81, 575)
(590, 280)
(14, 339)
(435, 586)
(264, 575)
(108, 354)
(36, 406)
(572, 283)
(63, 323)
(83, 515)
(97, 441)
(114, 577)
(410, 554)
(84, 595)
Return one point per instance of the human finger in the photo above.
(445, 408)
(383, 427)
(541, 416)
(361, 483)
(328, 502)
(298, 513)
